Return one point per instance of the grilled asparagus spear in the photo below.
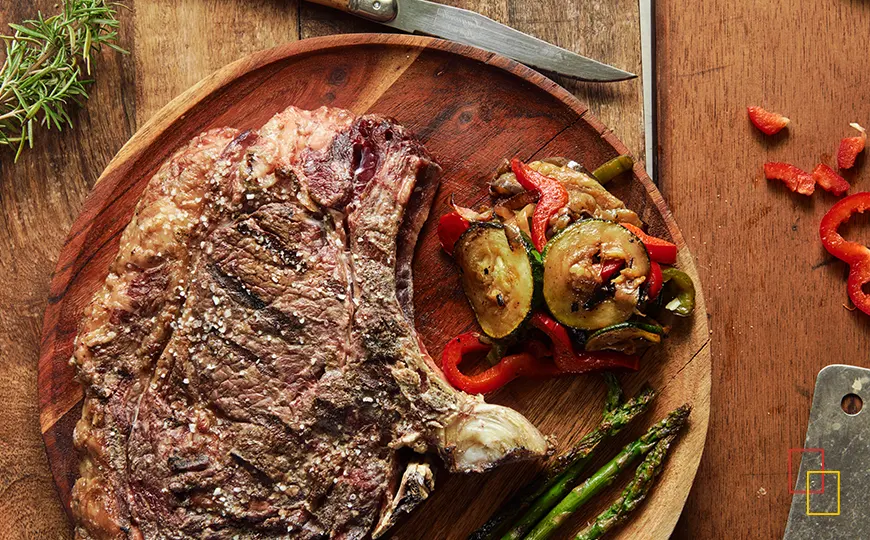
(633, 494)
(604, 476)
(564, 473)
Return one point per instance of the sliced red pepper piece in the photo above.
(659, 249)
(553, 196)
(795, 179)
(610, 268)
(856, 255)
(656, 282)
(450, 228)
(768, 122)
(850, 147)
(859, 275)
(829, 180)
(508, 369)
(839, 247)
(570, 361)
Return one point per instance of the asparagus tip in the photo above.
(682, 412)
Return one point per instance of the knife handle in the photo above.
(373, 10)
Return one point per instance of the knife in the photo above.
(470, 28)
(650, 117)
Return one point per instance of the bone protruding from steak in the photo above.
(251, 366)
(418, 482)
(488, 435)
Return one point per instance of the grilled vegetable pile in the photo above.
(560, 274)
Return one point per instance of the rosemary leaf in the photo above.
(42, 73)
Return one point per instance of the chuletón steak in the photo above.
(251, 366)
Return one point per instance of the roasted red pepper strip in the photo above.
(768, 122)
(450, 228)
(570, 361)
(794, 178)
(508, 369)
(850, 147)
(856, 255)
(659, 250)
(610, 268)
(553, 197)
(655, 280)
(829, 180)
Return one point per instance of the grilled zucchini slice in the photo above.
(499, 277)
(625, 337)
(573, 288)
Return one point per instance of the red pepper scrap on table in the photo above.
(508, 369)
(553, 196)
(829, 180)
(856, 255)
(655, 280)
(768, 122)
(450, 228)
(660, 250)
(850, 147)
(794, 178)
(570, 361)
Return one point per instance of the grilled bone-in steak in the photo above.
(251, 366)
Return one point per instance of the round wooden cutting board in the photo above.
(471, 108)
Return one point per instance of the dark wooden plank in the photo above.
(39, 199)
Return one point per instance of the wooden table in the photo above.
(775, 298)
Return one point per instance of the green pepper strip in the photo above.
(613, 168)
(679, 292)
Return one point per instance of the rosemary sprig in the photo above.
(42, 70)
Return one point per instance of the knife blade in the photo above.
(470, 28)
(650, 116)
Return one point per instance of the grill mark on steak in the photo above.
(290, 373)
(236, 288)
(250, 356)
(272, 243)
(260, 475)
(179, 464)
(268, 319)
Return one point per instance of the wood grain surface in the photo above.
(487, 107)
(775, 319)
(775, 296)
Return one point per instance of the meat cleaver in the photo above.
(832, 484)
